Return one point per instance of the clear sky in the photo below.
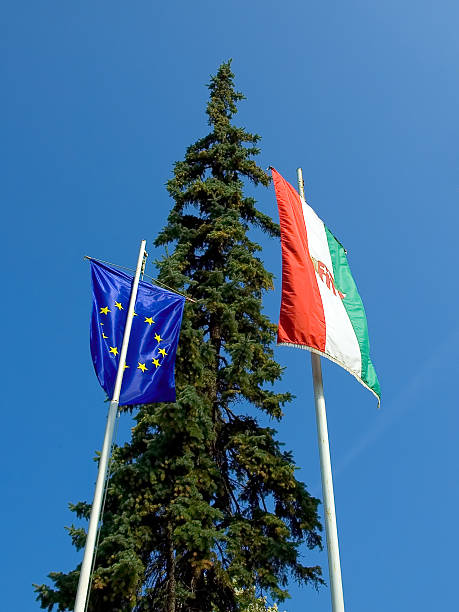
(99, 99)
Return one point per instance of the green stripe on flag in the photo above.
(354, 308)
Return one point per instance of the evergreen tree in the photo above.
(203, 505)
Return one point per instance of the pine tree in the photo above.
(203, 503)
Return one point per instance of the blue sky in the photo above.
(99, 100)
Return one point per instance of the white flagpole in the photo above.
(334, 566)
(85, 572)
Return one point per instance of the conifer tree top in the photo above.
(223, 97)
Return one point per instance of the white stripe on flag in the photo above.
(341, 342)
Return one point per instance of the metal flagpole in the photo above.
(334, 566)
(85, 572)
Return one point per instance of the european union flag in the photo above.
(149, 370)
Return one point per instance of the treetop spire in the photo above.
(223, 97)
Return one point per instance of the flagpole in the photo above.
(334, 566)
(85, 572)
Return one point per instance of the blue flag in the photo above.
(149, 370)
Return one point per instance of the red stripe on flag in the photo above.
(302, 318)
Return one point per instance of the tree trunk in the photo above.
(170, 570)
(216, 341)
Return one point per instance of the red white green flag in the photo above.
(321, 309)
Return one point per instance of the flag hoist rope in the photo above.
(334, 566)
(85, 572)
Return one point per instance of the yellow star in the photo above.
(105, 310)
(101, 323)
(163, 352)
(141, 366)
(125, 366)
(104, 336)
(156, 363)
(113, 350)
(134, 314)
(158, 338)
(149, 320)
(118, 305)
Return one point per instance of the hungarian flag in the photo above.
(321, 309)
